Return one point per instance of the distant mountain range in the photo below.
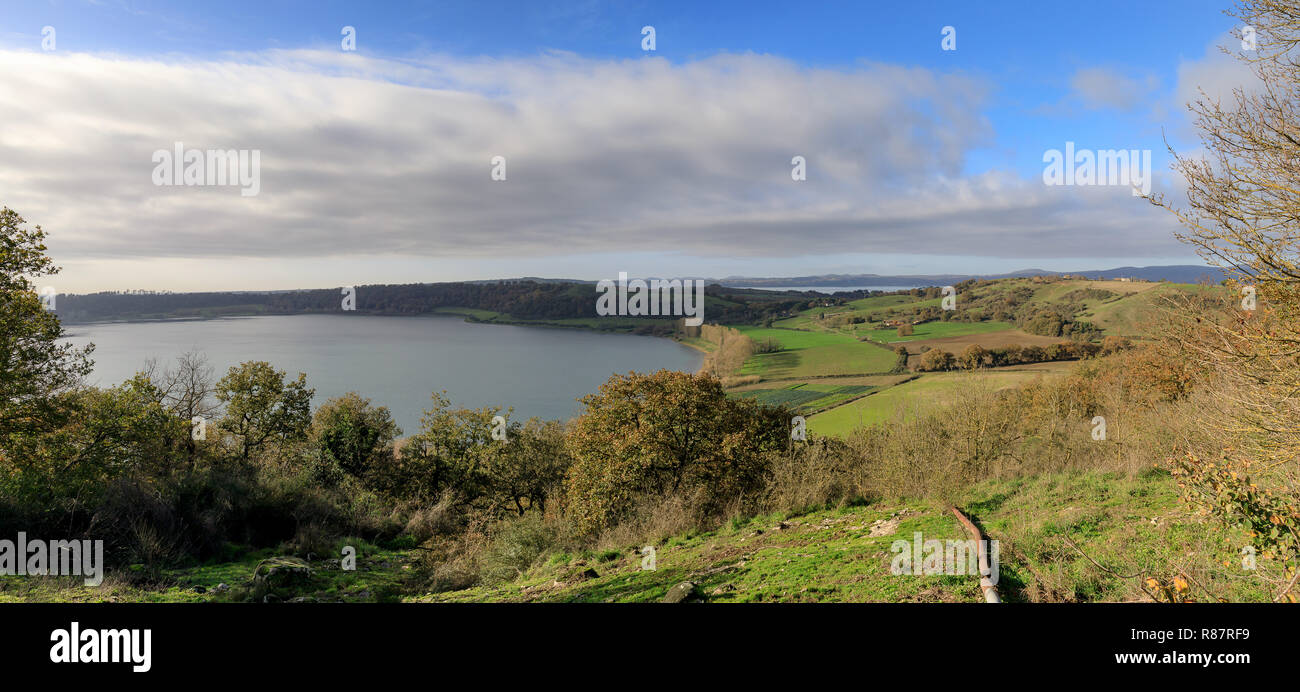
(1178, 273)
(532, 298)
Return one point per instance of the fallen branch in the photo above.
(986, 584)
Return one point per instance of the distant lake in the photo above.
(397, 361)
(832, 289)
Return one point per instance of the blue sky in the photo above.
(1104, 75)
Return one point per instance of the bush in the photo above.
(666, 432)
(517, 545)
(936, 360)
(974, 356)
(900, 358)
(350, 436)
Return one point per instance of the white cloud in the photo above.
(369, 157)
(1100, 87)
(1215, 75)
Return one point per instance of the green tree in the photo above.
(37, 373)
(936, 359)
(900, 358)
(115, 432)
(449, 453)
(666, 432)
(530, 470)
(974, 356)
(351, 436)
(263, 407)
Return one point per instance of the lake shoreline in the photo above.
(397, 363)
(451, 312)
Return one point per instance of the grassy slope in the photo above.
(1132, 525)
(1133, 315)
(864, 307)
(380, 576)
(910, 398)
(823, 556)
(935, 330)
(806, 353)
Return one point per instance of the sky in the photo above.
(416, 142)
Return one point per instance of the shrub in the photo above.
(900, 359)
(935, 360)
(350, 436)
(518, 544)
(974, 356)
(666, 432)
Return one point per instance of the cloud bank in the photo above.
(376, 157)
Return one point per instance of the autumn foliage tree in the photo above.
(1243, 215)
(662, 433)
(973, 356)
(936, 359)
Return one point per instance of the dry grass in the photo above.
(733, 349)
(740, 381)
(989, 340)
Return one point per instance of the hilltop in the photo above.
(1181, 273)
(838, 363)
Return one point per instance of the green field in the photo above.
(911, 398)
(806, 354)
(935, 330)
(863, 307)
(803, 397)
(1133, 315)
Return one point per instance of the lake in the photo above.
(397, 361)
(834, 289)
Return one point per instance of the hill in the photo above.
(809, 359)
(1132, 525)
(1179, 273)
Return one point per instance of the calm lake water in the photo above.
(398, 361)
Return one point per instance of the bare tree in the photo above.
(188, 393)
(1243, 215)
